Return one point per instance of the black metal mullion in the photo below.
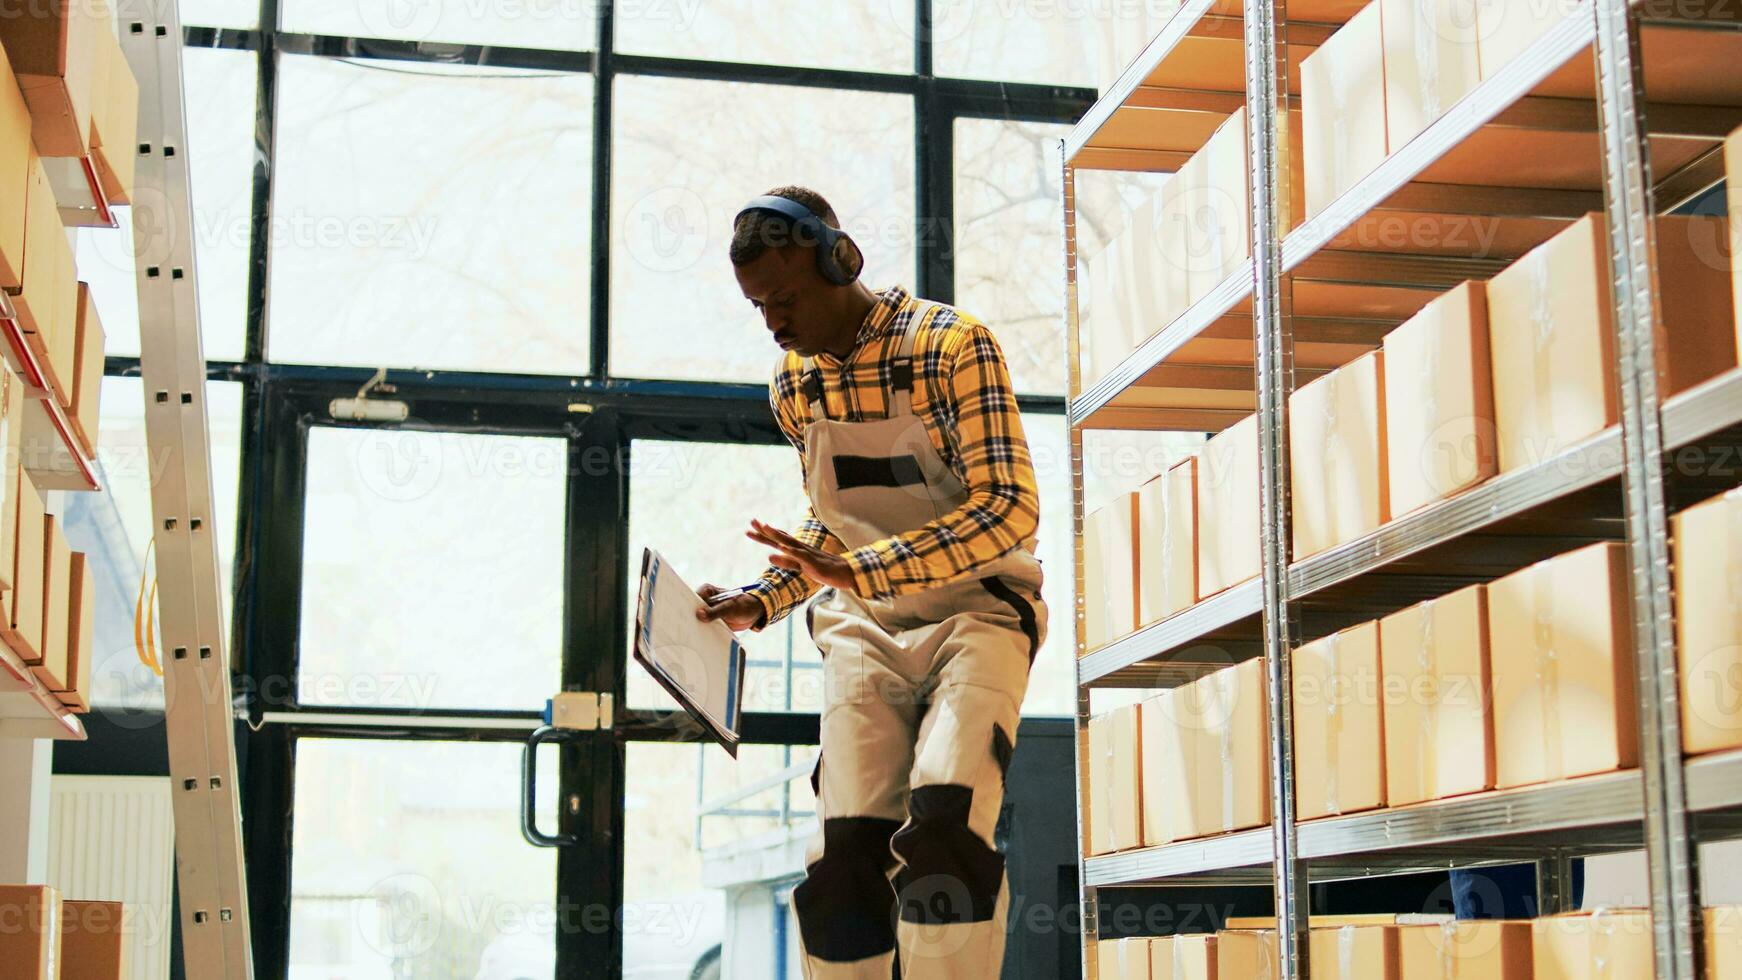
(268, 596)
(604, 103)
(260, 210)
(595, 630)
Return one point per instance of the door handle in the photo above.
(529, 783)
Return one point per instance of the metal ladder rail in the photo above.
(197, 690)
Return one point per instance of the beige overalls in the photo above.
(922, 695)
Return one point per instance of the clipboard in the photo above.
(700, 664)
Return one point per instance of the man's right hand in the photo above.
(740, 612)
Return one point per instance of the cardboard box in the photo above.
(1505, 28)
(1434, 662)
(1707, 542)
(31, 947)
(1124, 959)
(88, 352)
(1171, 234)
(1110, 572)
(1229, 549)
(1339, 758)
(1170, 767)
(1430, 62)
(24, 607)
(1592, 945)
(1115, 768)
(1560, 649)
(53, 47)
(1467, 950)
(81, 632)
(1439, 401)
(114, 120)
(94, 940)
(50, 667)
(1723, 941)
(1104, 329)
(1342, 87)
(12, 438)
(1353, 952)
(1190, 956)
(1221, 225)
(1336, 451)
(1246, 955)
(1167, 542)
(1549, 327)
(49, 290)
(14, 175)
(1231, 785)
(1696, 339)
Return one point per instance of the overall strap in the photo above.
(901, 374)
(810, 382)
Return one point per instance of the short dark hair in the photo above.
(758, 231)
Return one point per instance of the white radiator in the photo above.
(112, 839)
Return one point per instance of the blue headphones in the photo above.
(838, 257)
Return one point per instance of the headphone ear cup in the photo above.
(848, 259)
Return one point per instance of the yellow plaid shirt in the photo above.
(962, 394)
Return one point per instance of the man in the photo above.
(920, 535)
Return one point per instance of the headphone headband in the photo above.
(827, 238)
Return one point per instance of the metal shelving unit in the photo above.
(1619, 92)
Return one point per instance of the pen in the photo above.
(729, 593)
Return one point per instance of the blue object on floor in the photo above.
(1504, 892)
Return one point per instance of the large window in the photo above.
(431, 216)
(432, 570)
(688, 155)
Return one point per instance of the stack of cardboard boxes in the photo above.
(50, 938)
(1176, 247)
(1395, 68)
(1183, 764)
(1590, 945)
(65, 91)
(1184, 536)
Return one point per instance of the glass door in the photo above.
(433, 583)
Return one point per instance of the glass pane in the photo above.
(1052, 681)
(1010, 243)
(407, 861)
(1048, 43)
(114, 528)
(695, 884)
(432, 569)
(431, 217)
(220, 118)
(220, 13)
(693, 501)
(869, 35)
(567, 25)
(688, 155)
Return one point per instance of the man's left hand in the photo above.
(822, 567)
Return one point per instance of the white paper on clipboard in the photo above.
(699, 663)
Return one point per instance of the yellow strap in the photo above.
(144, 644)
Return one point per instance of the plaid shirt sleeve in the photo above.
(780, 590)
(1003, 506)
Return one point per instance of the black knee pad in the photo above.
(948, 873)
(845, 905)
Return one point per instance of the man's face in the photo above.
(792, 296)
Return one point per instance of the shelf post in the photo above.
(1088, 913)
(199, 719)
(1633, 274)
(1267, 134)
